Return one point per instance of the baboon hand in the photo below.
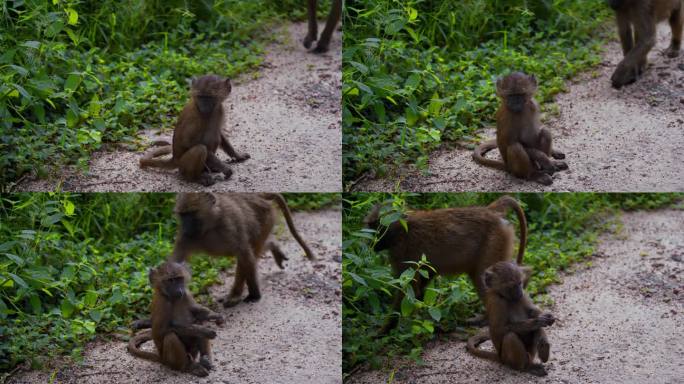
(218, 319)
(624, 74)
(546, 319)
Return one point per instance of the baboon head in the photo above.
(507, 279)
(169, 280)
(194, 210)
(208, 91)
(516, 90)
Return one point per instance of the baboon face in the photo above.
(516, 90)
(189, 208)
(209, 91)
(507, 279)
(169, 279)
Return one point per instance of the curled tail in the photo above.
(475, 341)
(508, 202)
(149, 160)
(282, 204)
(482, 149)
(136, 341)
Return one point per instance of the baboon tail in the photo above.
(282, 204)
(136, 341)
(475, 341)
(150, 161)
(509, 202)
(481, 150)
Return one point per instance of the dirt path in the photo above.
(620, 319)
(292, 335)
(288, 120)
(615, 140)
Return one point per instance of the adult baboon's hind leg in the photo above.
(676, 22)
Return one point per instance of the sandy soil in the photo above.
(615, 140)
(620, 318)
(288, 120)
(292, 335)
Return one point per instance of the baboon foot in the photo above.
(672, 52)
(542, 178)
(560, 165)
(205, 362)
(227, 173)
(543, 351)
(320, 48)
(558, 155)
(231, 301)
(537, 370)
(251, 298)
(308, 40)
(207, 180)
(198, 370)
(242, 156)
(623, 75)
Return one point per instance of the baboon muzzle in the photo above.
(515, 103)
(205, 104)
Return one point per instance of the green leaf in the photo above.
(31, 44)
(96, 315)
(430, 296)
(72, 82)
(66, 308)
(20, 70)
(362, 68)
(90, 299)
(17, 260)
(406, 307)
(35, 304)
(18, 280)
(94, 107)
(69, 207)
(435, 313)
(412, 14)
(53, 29)
(72, 15)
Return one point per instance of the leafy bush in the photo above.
(75, 75)
(416, 73)
(563, 230)
(73, 266)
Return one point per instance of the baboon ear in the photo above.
(373, 216)
(527, 273)
(487, 277)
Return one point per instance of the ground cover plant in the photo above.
(563, 230)
(420, 73)
(75, 265)
(78, 75)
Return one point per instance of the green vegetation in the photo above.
(563, 230)
(418, 73)
(73, 266)
(76, 75)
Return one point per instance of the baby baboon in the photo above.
(330, 24)
(636, 21)
(198, 135)
(515, 323)
(174, 314)
(236, 224)
(454, 241)
(525, 147)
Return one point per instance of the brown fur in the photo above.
(198, 135)
(636, 21)
(331, 23)
(174, 313)
(524, 146)
(237, 224)
(454, 241)
(515, 323)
